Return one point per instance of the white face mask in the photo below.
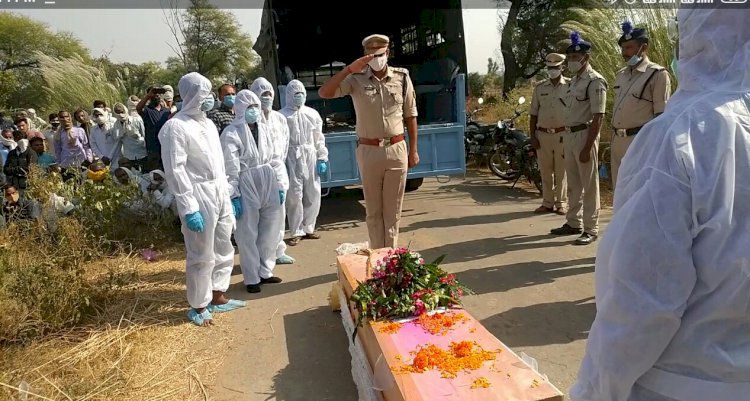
(574, 66)
(378, 63)
(100, 120)
(23, 144)
(553, 74)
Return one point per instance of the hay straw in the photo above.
(134, 350)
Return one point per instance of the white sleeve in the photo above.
(319, 138)
(174, 157)
(232, 148)
(644, 277)
(163, 198)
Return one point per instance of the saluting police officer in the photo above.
(585, 105)
(641, 92)
(547, 128)
(384, 101)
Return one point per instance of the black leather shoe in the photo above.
(585, 239)
(565, 230)
(270, 280)
(253, 288)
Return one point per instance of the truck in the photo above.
(312, 42)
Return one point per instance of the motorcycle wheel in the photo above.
(534, 175)
(500, 164)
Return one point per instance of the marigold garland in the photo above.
(440, 323)
(460, 357)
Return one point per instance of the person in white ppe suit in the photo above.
(672, 287)
(307, 159)
(258, 184)
(276, 123)
(194, 170)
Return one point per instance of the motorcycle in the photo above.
(513, 155)
(477, 137)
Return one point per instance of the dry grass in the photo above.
(138, 346)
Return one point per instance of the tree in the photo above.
(493, 68)
(210, 42)
(531, 30)
(134, 79)
(20, 39)
(476, 84)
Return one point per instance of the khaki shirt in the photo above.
(586, 96)
(640, 94)
(547, 103)
(380, 104)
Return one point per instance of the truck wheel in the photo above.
(413, 184)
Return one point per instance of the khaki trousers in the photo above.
(383, 171)
(618, 147)
(552, 168)
(583, 183)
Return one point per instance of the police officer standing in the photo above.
(384, 101)
(547, 127)
(641, 92)
(585, 105)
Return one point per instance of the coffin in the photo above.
(378, 355)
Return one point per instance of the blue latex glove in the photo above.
(322, 167)
(195, 222)
(237, 206)
(282, 196)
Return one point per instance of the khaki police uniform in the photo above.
(547, 103)
(586, 96)
(381, 107)
(640, 94)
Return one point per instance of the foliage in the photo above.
(20, 38)
(602, 27)
(531, 30)
(134, 79)
(403, 285)
(45, 266)
(477, 84)
(70, 83)
(210, 41)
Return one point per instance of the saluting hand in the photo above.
(359, 64)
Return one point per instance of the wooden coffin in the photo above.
(509, 378)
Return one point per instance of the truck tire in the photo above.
(412, 184)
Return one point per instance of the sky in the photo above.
(138, 36)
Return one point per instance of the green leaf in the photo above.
(438, 260)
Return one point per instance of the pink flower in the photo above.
(417, 295)
(419, 308)
(421, 261)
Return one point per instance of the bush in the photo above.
(48, 278)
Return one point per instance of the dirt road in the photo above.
(534, 291)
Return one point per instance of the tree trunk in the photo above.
(506, 47)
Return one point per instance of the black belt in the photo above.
(579, 127)
(627, 132)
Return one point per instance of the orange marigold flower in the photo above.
(460, 357)
(440, 323)
(481, 382)
(390, 327)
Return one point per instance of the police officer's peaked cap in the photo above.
(375, 40)
(577, 45)
(554, 59)
(630, 33)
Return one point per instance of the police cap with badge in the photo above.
(578, 45)
(630, 33)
